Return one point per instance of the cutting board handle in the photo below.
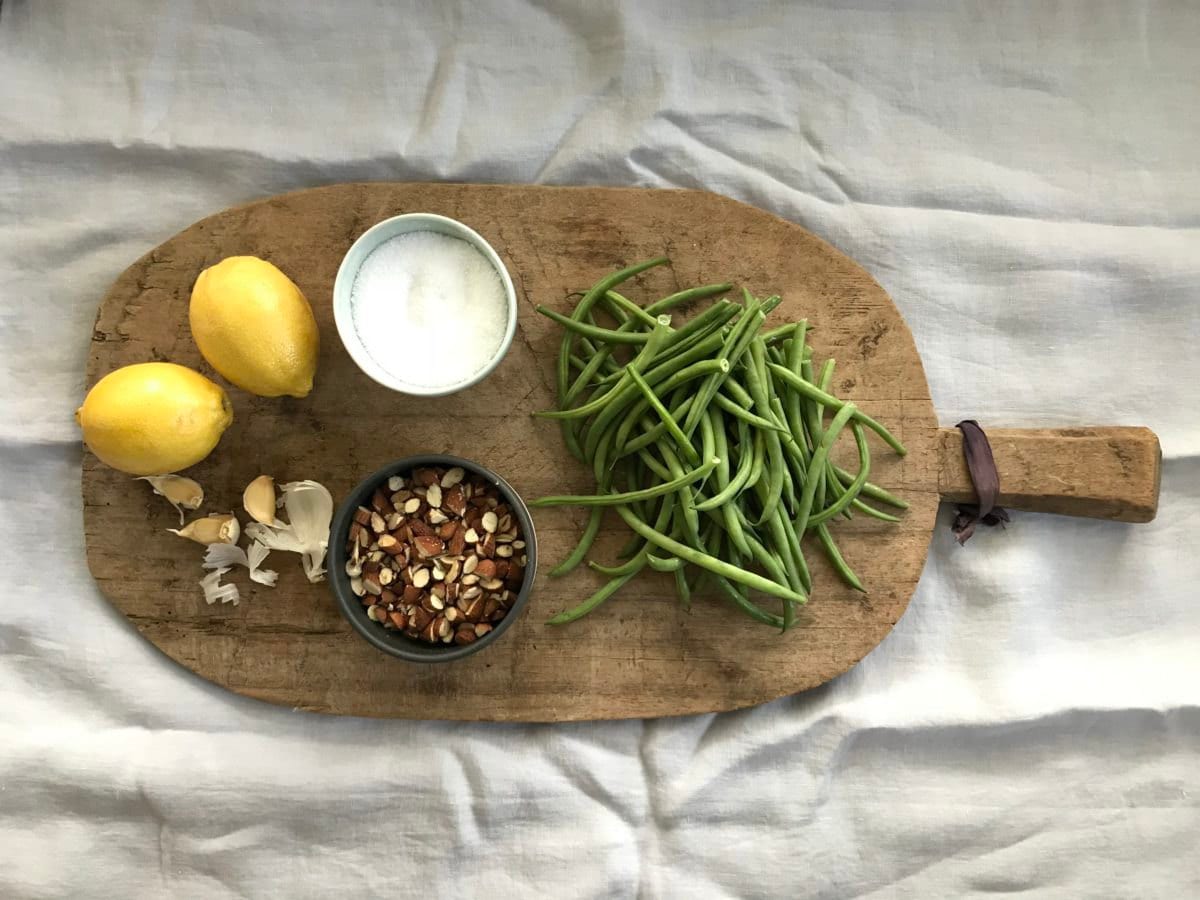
(1099, 473)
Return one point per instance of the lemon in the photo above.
(153, 418)
(254, 327)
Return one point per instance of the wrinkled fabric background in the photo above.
(1023, 180)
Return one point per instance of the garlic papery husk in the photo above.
(182, 493)
(259, 500)
(214, 590)
(227, 555)
(216, 528)
(309, 508)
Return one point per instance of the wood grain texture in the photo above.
(1097, 473)
(639, 655)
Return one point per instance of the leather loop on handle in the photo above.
(1098, 473)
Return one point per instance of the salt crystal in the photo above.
(429, 308)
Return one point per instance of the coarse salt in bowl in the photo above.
(424, 305)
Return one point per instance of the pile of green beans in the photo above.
(711, 441)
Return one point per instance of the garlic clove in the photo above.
(259, 499)
(182, 493)
(217, 528)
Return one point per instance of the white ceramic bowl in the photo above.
(348, 271)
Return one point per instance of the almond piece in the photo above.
(380, 502)
(378, 524)
(465, 634)
(489, 522)
(412, 593)
(430, 632)
(437, 517)
(417, 527)
(427, 545)
(458, 541)
(420, 577)
(388, 598)
(371, 584)
(481, 629)
(411, 505)
(446, 532)
(468, 580)
(362, 516)
(491, 584)
(386, 577)
(389, 545)
(444, 627)
(470, 564)
(472, 536)
(395, 483)
(433, 496)
(356, 587)
(425, 477)
(394, 521)
(375, 612)
(473, 610)
(453, 476)
(486, 547)
(419, 618)
(399, 619)
(484, 568)
(504, 550)
(455, 500)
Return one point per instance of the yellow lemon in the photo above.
(153, 418)
(254, 327)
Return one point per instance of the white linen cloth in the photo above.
(1022, 178)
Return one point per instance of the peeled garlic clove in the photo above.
(259, 499)
(182, 493)
(218, 528)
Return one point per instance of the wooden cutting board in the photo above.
(639, 655)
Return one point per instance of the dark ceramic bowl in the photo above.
(396, 643)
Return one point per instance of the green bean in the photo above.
(757, 384)
(604, 399)
(586, 540)
(584, 307)
(664, 564)
(697, 293)
(595, 600)
(851, 491)
(835, 557)
(697, 474)
(595, 332)
(725, 513)
(704, 561)
(735, 344)
(873, 491)
(751, 448)
(653, 434)
(815, 393)
(630, 309)
(609, 413)
(685, 446)
(844, 415)
(740, 412)
(682, 589)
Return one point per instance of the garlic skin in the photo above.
(214, 590)
(182, 493)
(309, 509)
(224, 556)
(259, 499)
(216, 528)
